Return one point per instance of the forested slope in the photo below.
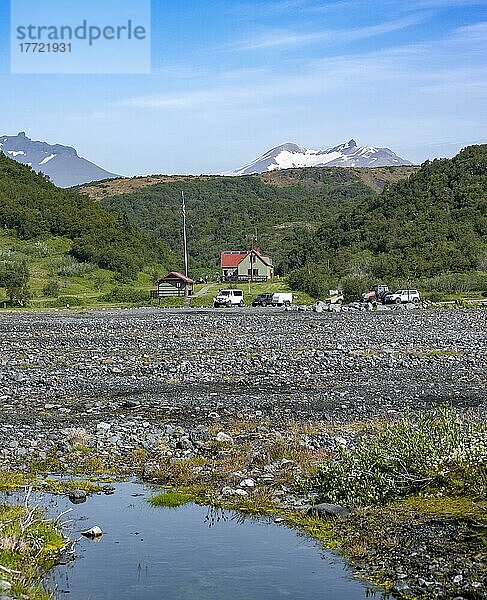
(224, 212)
(32, 207)
(434, 222)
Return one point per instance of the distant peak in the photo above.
(289, 147)
(347, 154)
(61, 163)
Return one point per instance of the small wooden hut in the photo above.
(173, 284)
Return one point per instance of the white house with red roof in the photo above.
(246, 265)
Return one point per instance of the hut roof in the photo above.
(175, 276)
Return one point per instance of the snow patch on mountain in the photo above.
(291, 156)
(47, 159)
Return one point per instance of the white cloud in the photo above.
(398, 97)
(284, 38)
(101, 115)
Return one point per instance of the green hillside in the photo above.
(425, 229)
(224, 212)
(32, 206)
(62, 245)
(324, 227)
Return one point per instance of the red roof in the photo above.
(175, 275)
(232, 258)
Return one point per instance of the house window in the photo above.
(253, 272)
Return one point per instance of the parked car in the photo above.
(282, 299)
(263, 300)
(229, 297)
(402, 297)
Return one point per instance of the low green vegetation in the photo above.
(13, 480)
(29, 546)
(250, 292)
(33, 209)
(56, 279)
(419, 468)
(325, 229)
(329, 228)
(436, 454)
(172, 498)
(224, 211)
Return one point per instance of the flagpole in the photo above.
(185, 237)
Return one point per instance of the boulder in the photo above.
(224, 438)
(325, 511)
(93, 532)
(77, 496)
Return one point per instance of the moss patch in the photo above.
(172, 499)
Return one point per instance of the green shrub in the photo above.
(173, 302)
(63, 301)
(439, 453)
(14, 277)
(72, 268)
(354, 286)
(126, 295)
(454, 283)
(52, 289)
(314, 282)
(38, 249)
(434, 296)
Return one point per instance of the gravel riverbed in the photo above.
(138, 378)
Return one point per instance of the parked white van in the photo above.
(229, 297)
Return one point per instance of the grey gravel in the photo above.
(118, 381)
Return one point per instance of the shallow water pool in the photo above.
(192, 553)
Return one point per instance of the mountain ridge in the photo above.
(62, 164)
(310, 177)
(348, 154)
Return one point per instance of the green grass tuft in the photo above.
(172, 499)
(30, 545)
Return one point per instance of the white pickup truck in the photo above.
(282, 299)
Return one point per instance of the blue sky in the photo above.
(232, 78)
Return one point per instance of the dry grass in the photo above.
(77, 436)
(116, 187)
(259, 501)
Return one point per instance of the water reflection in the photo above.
(191, 553)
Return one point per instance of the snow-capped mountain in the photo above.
(289, 156)
(61, 163)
